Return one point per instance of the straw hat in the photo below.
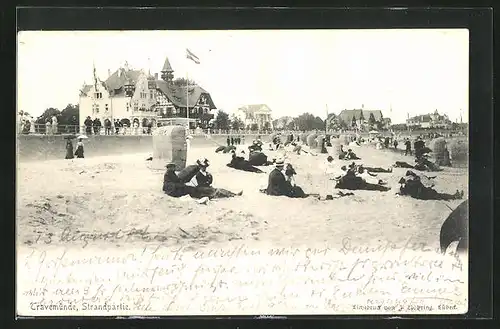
(279, 163)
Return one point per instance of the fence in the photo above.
(42, 129)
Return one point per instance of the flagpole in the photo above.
(326, 120)
(187, 96)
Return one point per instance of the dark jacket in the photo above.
(204, 180)
(277, 184)
(172, 185)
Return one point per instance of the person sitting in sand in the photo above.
(413, 186)
(174, 187)
(424, 164)
(256, 146)
(295, 190)
(79, 149)
(257, 158)
(351, 155)
(203, 177)
(278, 185)
(241, 164)
(342, 153)
(69, 149)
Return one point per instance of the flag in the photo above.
(192, 56)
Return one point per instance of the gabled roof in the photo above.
(177, 94)
(116, 81)
(166, 66)
(85, 90)
(347, 115)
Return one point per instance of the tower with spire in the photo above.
(167, 74)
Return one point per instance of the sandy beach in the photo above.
(57, 200)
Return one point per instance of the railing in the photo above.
(42, 129)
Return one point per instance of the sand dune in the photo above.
(109, 193)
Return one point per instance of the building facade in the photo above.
(362, 119)
(138, 98)
(431, 120)
(259, 114)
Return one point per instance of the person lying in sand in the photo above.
(174, 187)
(240, 163)
(374, 169)
(402, 164)
(426, 180)
(369, 177)
(225, 149)
(416, 189)
(350, 181)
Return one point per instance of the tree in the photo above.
(222, 120)
(47, 115)
(276, 124)
(237, 123)
(254, 127)
(371, 121)
(361, 116)
(292, 125)
(70, 115)
(182, 82)
(307, 122)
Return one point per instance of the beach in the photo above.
(59, 201)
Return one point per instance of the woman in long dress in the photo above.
(69, 149)
(79, 149)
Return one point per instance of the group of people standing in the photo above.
(231, 141)
(79, 152)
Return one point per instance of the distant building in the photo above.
(361, 118)
(137, 97)
(432, 120)
(259, 114)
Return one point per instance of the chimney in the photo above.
(156, 76)
(109, 72)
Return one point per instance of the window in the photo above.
(128, 107)
(98, 95)
(136, 105)
(106, 107)
(97, 108)
(151, 95)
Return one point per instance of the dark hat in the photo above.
(330, 158)
(170, 165)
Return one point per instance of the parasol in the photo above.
(82, 137)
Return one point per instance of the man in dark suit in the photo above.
(277, 184)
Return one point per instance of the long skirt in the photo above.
(69, 153)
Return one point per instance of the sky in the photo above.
(412, 72)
